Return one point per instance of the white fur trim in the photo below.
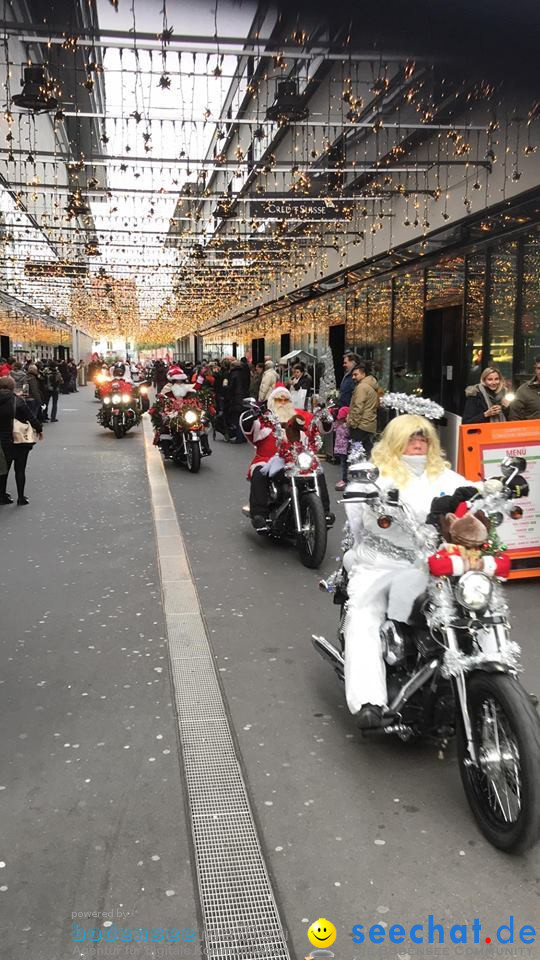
(273, 466)
(277, 391)
(259, 432)
(489, 565)
(458, 567)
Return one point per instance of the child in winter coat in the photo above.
(341, 444)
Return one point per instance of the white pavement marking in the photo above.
(239, 910)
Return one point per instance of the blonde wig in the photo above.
(388, 452)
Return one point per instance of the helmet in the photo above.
(119, 370)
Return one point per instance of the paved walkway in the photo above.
(92, 812)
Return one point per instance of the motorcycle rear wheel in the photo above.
(193, 456)
(311, 542)
(504, 790)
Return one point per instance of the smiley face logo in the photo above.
(322, 933)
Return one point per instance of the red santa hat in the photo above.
(280, 390)
(176, 373)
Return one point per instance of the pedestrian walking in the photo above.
(53, 380)
(16, 439)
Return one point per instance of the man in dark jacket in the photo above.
(526, 405)
(237, 391)
(53, 380)
(347, 385)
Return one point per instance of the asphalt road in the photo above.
(92, 814)
(355, 830)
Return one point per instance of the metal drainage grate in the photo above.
(240, 915)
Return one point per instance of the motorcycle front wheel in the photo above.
(193, 456)
(118, 427)
(503, 790)
(311, 541)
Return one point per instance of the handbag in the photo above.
(22, 432)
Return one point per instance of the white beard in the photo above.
(283, 411)
(180, 390)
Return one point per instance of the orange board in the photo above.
(482, 446)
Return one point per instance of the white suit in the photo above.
(382, 586)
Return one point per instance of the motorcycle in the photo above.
(296, 511)
(141, 389)
(184, 437)
(101, 383)
(121, 407)
(454, 671)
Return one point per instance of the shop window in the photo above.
(475, 299)
(530, 316)
(502, 307)
(407, 351)
(377, 333)
(445, 283)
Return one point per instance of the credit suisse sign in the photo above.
(301, 210)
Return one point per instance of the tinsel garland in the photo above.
(456, 662)
(406, 403)
(357, 453)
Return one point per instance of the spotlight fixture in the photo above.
(37, 93)
(289, 106)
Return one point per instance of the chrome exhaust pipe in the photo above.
(330, 653)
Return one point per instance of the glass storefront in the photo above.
(502, 307)
(530, 313)
(475, 306)
(408, 345)
(489, 295)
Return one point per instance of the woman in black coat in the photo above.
(486, 401)
(12, 406)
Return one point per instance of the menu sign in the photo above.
(523, 534)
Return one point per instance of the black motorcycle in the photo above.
(184, 438)
(120, 408)
(296, 512)
(455, 669)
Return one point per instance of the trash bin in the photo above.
(81, 376)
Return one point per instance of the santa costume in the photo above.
(178, 384)
(266, 436)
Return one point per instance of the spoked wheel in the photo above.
(193, 456)
(311, 542)
(504, 789)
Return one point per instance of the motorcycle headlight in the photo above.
(126, 397)
(143, 390)
(106, 399)
(305, 461)
(191, 417)
(473, 590)
(116, 398)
